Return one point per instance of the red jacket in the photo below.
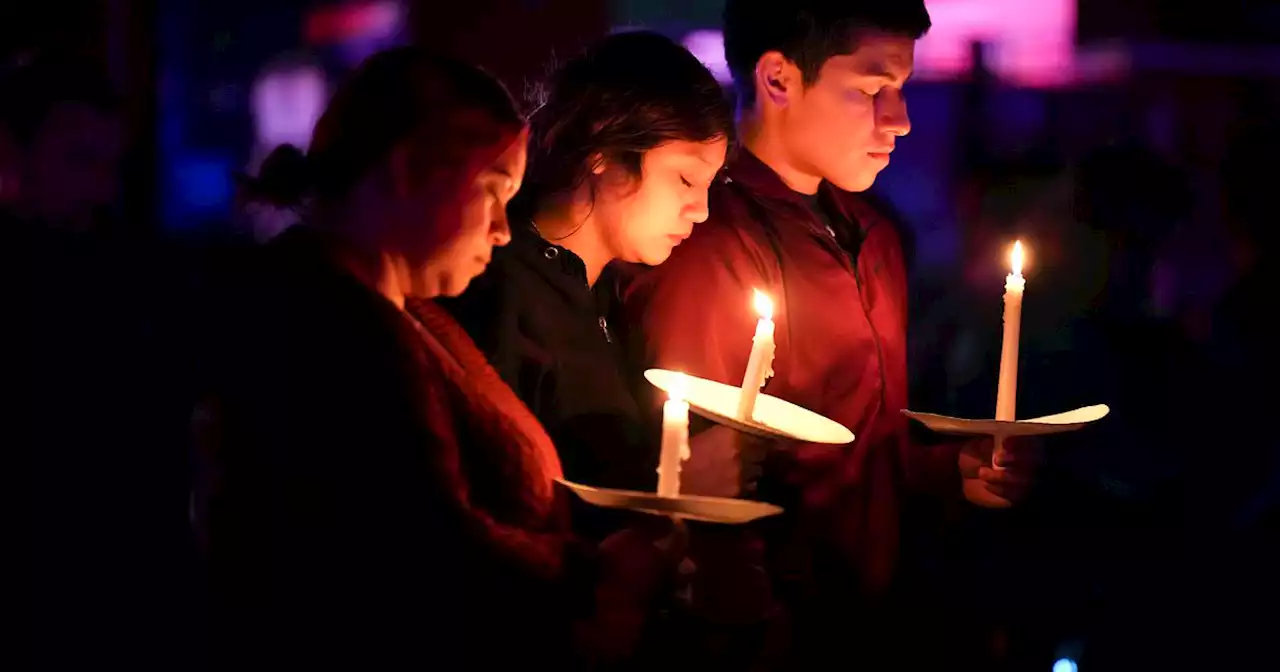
(841, 340)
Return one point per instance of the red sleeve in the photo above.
(931, 468)
(694, 313)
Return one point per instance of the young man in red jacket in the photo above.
(820, 87)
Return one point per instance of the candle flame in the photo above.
(679, 387)
(764, 305)
(1015, 258)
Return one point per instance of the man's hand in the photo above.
(992, 488)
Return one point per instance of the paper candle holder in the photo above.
(772, 418)
(1057, 423)
(686, 507)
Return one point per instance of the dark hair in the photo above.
(31, 91)
(283, 180)
(625, 95)
(392, 97)
(808, 32)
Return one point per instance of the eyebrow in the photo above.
(880, 69)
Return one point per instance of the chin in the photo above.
(656, 256)
(452, 290)
(453, 284)
(857, 179)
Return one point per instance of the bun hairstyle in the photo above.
(442, 106)
(625, 95)
(283, 180)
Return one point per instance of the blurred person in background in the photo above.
(60, 121)
(1193, 583)
(99, 366)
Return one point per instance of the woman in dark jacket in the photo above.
(382, 499)
(626, 140)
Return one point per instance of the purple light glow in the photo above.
(708, 47)
(287, 104)
(1032, 41)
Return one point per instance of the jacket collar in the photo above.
(550, 259)
(767, 186)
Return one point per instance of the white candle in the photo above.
(1007, 390)
(760, 364)
(675, 438)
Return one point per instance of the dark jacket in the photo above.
(547, 333)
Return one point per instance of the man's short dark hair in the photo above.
(808, 32)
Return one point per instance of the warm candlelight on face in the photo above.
(760, 363)
(675, 437)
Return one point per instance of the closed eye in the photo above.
(686, 182)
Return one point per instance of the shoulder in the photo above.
(733, 233)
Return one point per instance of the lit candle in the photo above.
(675, 438)
(760, 364)
(1007, 391)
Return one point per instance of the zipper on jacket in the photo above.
(875, 335)
(604, 329)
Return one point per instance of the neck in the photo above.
(574, 229)
(762, 139)
(379, 270)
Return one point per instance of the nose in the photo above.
(891, 114)
(697, 210)
(500, 228)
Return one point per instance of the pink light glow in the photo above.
(361, 20)
(1032, 42)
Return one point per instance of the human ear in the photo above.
(777, 78)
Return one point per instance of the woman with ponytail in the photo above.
(383, 499)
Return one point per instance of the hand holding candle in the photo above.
(1007, 391)
(760, 364)
(675, 439)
